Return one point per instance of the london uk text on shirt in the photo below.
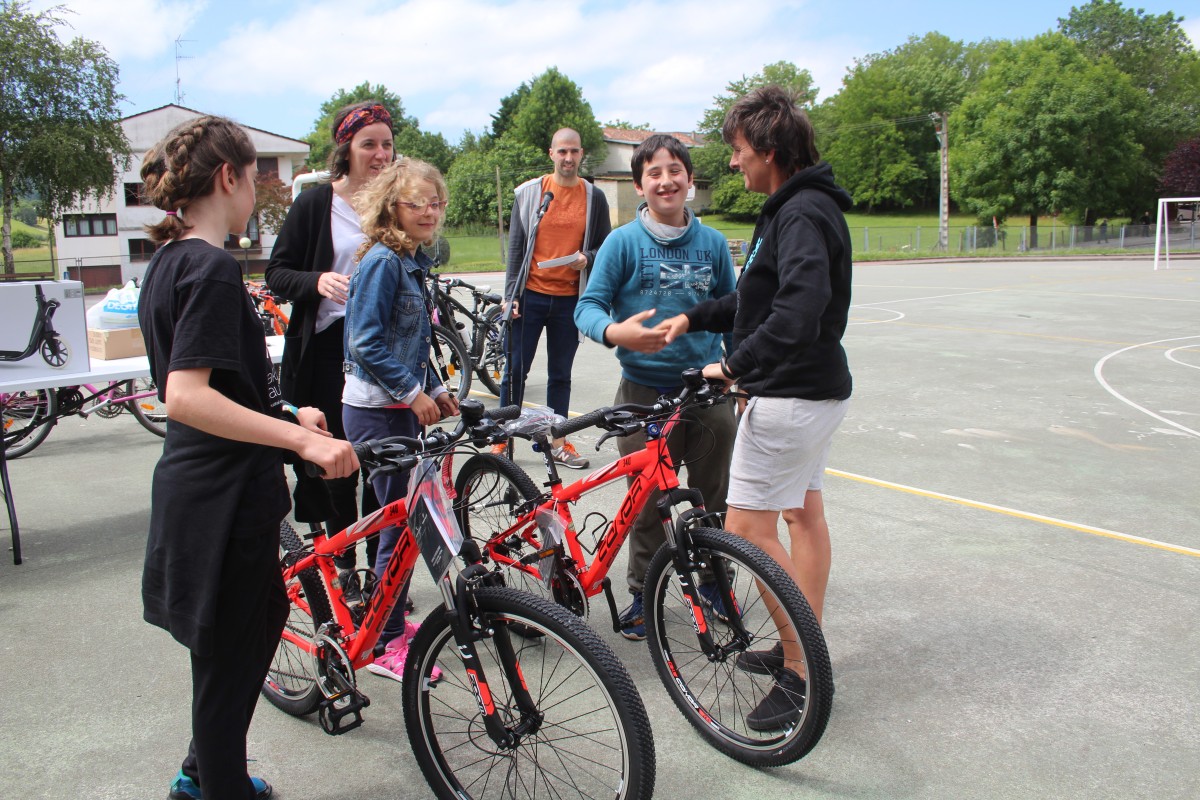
(675, 269)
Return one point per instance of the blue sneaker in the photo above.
(184, 788)
(633, 620)
(710, 596)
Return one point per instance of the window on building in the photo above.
(268, 165)
(140, 249)
(133, 195)
(233, 241)
(90, 225)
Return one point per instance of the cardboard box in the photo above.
(107, 344)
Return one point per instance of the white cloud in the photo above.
(453, 61)
(130, 30)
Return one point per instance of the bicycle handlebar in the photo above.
(696, 389)
(403, 452)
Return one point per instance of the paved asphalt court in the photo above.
(1012, 611)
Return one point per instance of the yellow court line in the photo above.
(1012, 512)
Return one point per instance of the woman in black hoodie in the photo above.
(787, 317)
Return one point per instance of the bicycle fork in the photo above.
(686, 565)
(468, 626)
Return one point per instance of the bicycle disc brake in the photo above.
(335, 678)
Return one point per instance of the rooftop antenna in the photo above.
(179, 40)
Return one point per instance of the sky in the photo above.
(270, 64)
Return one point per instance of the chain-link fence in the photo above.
(481, 249)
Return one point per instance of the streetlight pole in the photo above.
(245, 243)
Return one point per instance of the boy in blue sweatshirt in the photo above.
(659, 265)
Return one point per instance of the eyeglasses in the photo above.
(436, 206)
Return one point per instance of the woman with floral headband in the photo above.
(311, 266)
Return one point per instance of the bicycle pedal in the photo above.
(332, 712)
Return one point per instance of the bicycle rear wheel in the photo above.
(591, 736)
(291, 682)
(149, 410)
(24, 416)
(719, 695)
(453, 363)
(487, 348)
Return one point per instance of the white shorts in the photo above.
(781, 450)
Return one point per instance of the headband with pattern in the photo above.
(358, 119)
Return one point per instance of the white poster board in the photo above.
(25, 324)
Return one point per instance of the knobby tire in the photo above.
(716, 696)
(594, 739)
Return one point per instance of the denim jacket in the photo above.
(388, 332)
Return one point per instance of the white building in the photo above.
(102, 243)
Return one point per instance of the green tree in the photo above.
(1046, 130)
(877, 133)
(472, 180)
(502, 120)
(710, 162)
(60, 127)
(320, 139)
(622, 125)
(431, 147)
(1155, 52)
(555, 101)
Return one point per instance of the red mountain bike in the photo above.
(723, 620)
(489, 714)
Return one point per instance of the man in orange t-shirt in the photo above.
(568, 229)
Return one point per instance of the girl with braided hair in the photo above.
(211, 575)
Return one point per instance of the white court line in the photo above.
(1012, 512)
(1170, 354)
(930, 297)
(1099, 373)
(899, 316)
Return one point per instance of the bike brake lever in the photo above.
(619, 430)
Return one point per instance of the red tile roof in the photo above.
(625, 136)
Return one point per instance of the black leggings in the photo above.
(326, 394)
(252, 607)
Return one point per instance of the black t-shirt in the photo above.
(195, 313)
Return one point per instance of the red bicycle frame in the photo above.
(649, 469)
(361, 637)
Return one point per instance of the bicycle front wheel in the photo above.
(589, 736)
(488, 491)
(487, 348)
(453, 363)
(24, 418)
(149, 410)
(740, 695)
(291, 682)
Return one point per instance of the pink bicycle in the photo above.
(28, 416)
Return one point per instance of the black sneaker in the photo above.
(762, 662)
(782, 706)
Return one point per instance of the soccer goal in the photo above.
(1162, 225)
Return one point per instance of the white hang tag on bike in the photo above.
(553, 532)
(431, 519)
